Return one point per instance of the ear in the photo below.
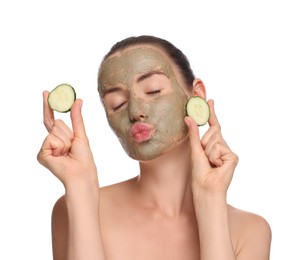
(199, 88)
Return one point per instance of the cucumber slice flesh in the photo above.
(198, 109)
(61, 98)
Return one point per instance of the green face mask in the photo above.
(165, 111)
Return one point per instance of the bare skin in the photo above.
(175, 209)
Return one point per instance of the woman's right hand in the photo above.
(65, 152)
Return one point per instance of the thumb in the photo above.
(77, 120)
(193, 136)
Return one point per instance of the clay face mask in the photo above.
(131, 81)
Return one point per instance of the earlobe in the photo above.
(199, 88)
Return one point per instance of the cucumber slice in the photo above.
(198, 109)
(61, 98)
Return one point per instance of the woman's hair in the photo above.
(176, 55)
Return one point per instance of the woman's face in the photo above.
(144, 101)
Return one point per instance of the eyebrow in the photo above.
(149, 74)
(111, 90)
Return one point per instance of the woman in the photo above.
(176, 208)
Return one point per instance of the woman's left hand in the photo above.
(212, 160)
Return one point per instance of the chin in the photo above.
(144, 157)
(154, 152)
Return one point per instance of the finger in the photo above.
(214, 155)
(213, 120)
(208, 141)
(57, 146)
(52, 146)
(193, 135)
(48, 114)
(64, 129)
(77, 120)
(209, 135)
(60, 132)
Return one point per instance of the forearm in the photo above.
(213, 225)
(84, 236)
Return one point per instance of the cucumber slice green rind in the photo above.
(198, 109)
(61, 98)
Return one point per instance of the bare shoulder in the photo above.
(118, 191)
(60, 205)
(251, 234)
(59, 228)
(59, 213)
(247, 219)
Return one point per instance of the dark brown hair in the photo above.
(175, 54)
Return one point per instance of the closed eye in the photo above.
(119, 106)
(154, 92)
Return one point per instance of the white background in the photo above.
(250, 54)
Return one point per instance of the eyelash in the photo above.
(154, 92)
(118, 107)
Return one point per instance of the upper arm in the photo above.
(255, 240)
(59, 229)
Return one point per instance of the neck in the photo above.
(165, 182)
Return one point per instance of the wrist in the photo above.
(211, 188)
(209, 198)
(80, 187)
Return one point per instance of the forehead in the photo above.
(123, 66)
(140, 51)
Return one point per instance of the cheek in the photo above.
(170, 113)
(173, 106)
(118, 123)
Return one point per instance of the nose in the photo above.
(137, 109)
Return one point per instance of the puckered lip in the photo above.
(141, 132)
